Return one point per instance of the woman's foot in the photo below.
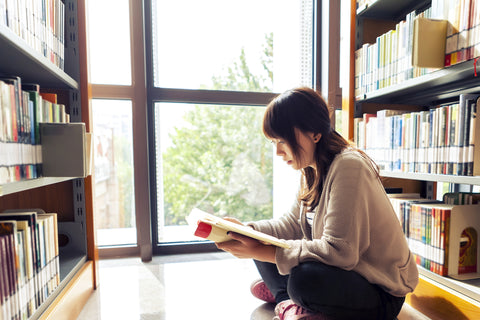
(259, 290)
(288, 310)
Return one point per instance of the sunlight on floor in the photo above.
(215, 287)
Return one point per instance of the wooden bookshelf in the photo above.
(436, 297)
(69, 197)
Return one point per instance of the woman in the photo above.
(348, 258)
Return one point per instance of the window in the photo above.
(211, 157)
(216, 64)
(113, 152)
(110, 68)
(207, 65)
(109, 41)
(247, 45)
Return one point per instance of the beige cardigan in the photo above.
(354, 228)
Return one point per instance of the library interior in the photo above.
(122, 119)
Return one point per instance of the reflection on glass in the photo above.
(113, 152)
(247, 45)
(109, 42)
(213, 157)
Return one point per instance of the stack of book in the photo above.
(22, 109)
(388, 61)
(439, 141)
(29, 261)
(393, 57)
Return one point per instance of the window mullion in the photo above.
(211, 96)
(100, 91)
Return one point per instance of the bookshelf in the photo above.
(69, 197)
(438, 297)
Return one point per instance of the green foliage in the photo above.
(240, 78)
(219, 161)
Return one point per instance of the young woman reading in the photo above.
(348, 257)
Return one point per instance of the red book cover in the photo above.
(52, 97)
(448, 60)
(203, 230)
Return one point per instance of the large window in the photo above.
(215, 66)
(192, 78)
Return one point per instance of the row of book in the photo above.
(426, 224)
(388, 61)
(392, 58)
(40, 23)
(440, 140)
(463, 29)
(22, 109)
(29, 261)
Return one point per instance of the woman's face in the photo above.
(306, 141)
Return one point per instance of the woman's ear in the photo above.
(317, 137)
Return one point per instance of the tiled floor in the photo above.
(212, 286)
(200, 286)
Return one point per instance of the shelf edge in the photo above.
(19, 186)
(431, 177)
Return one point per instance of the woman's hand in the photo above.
(244, 247)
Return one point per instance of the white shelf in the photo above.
(30, 184)
(472, 180)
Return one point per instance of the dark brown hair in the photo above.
(305, 109)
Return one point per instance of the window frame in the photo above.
(200, 96)
(144, 95)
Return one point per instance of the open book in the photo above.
(213, 228)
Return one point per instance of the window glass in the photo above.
(109, 42)
(211, 157)
(247, 45)
(114, 189)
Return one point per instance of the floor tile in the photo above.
(212, 286)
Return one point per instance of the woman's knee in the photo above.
(312, 274)
(307, 281)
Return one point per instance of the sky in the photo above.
(196, 39)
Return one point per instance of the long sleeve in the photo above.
(354, 228)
